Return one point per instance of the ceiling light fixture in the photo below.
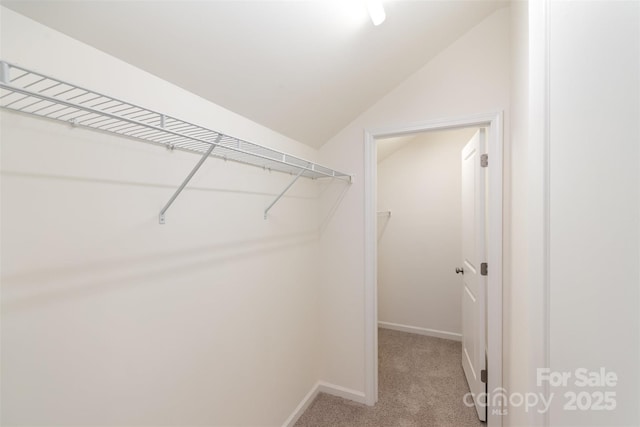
(376, 11)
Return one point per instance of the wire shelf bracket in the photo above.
(266, 211)
(186, 181)
(29, 92)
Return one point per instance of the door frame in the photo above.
(495, 143)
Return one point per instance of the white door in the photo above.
(473, 255)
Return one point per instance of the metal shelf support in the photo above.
(187, 179)
(30, 92)
(266, 211)
(4, 72)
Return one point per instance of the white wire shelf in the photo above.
(27, 91)
(30, 92)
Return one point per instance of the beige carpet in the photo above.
(421, 383)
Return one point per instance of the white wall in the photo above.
(419, 246)
(110, 318)
(518, 340)
(471, 76)
(594, 202)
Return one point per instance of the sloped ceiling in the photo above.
(388, 146)
(303, 68)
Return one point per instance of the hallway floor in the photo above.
(421, 383)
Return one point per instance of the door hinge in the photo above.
(483, 376)
(484, 160)
(484, 269)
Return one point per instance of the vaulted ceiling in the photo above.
(305, 68)
(386, 147)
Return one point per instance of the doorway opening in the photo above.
(377, 214)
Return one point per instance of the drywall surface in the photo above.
(518, 340)
(419, 245)
(594, 211)
(109, 318)
(469, 77)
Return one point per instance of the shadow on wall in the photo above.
(383, 222)
(148, 184)
(31, 288)
(48, 285)
(335, 189)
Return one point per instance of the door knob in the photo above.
(459, 270)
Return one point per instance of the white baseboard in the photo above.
(322, 387)
(302, 406)
(354, 395)
(421, 331)
(346, 393)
